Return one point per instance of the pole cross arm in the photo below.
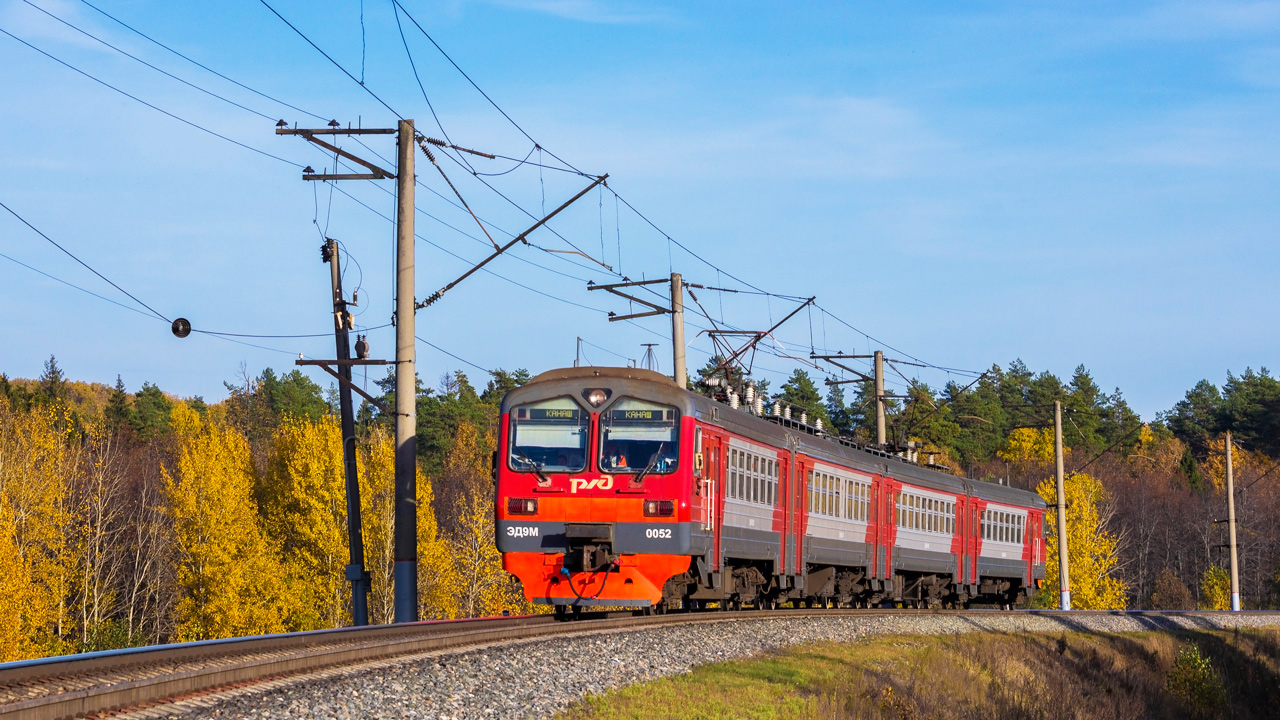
(613, 288)
(517, 239)
(835, 360)
(734, 356)
(325, 365)
(377, 171)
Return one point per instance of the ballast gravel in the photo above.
(537, 678)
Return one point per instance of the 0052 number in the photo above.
(658, 533)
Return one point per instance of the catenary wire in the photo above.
(330, 59)
(479, 90)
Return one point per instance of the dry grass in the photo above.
(974, 676)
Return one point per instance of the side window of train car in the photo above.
(550, 436)
(638, 436)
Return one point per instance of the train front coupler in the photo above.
(590, 548)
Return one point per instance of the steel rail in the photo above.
(93, 683)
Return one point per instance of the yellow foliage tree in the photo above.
(304, 507)
(1244, 463)
(1092, 550)
(22, 612)
(36, 461)
(1215, 589)
(377, 506)
(230, 575)
(481, 585)
(1029, 446)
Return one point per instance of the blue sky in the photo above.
(1066, 184)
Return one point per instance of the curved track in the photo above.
(95, 683)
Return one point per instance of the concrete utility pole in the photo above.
(355, 572)
(678, 372)
(1064, 576)
(879, 371)
(406, 485)
(1231, 531)
(406, 517)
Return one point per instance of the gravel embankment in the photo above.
(534, 679)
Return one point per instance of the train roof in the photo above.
(804, 438)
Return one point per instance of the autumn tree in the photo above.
(1171, 593)
(1093, 549)
(36, 460)
(231, 577)
(303, 502)
(1215, 589)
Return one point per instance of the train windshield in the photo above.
(548, 436)
(636, 435)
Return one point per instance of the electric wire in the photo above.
(198, 64)
(455, 357)
(330, 59)
(495, 105)
(414, 66)
(467, 261)
(83, 263)
(153, 67)
(137, 99)
(130, 308)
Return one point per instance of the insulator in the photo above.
(751, 394)
(362, 348)
(804, 417)
(786, 412)
(818, 424)
(733, 400)
(777, 408)
(758, 407)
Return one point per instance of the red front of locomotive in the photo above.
(594, 470)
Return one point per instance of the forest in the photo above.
(141, 518)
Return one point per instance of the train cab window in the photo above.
(549, 436)
(636, 436)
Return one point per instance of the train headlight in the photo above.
(659, 508)
(522, 506)
(596, 396)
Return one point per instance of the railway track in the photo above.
(97, 684)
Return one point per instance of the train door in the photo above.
(784, 508)
(962, 533)
(799, 512)
(713, 477)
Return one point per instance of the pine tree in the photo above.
(52, 382)
(800, 392)
(117, 412)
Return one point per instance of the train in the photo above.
(616, 487)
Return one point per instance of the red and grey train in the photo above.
(616, 487)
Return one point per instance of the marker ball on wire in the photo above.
(181, 327)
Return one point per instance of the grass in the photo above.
(976, 675)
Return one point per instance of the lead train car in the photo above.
(615, 487)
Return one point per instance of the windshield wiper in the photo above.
(653, 462)
(536, 467)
